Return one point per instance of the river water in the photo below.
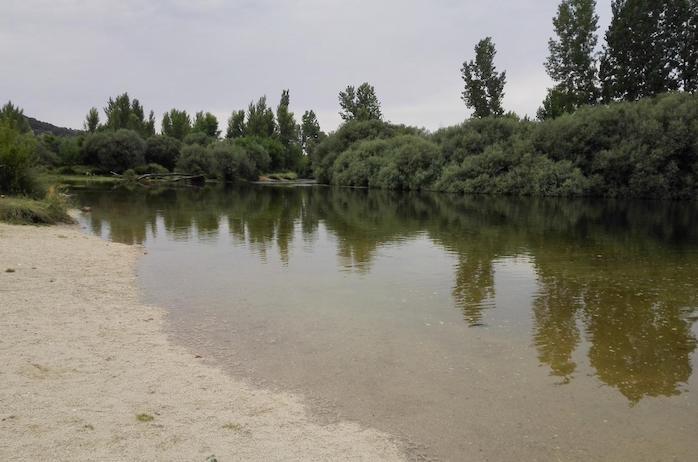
(473, 328)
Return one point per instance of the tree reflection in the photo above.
(618, 276)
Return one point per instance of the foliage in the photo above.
(13, 117)
(651, 48)
(310, 134)
(114, 151)
(200, 138)
(571, 63)
(407, 162)
(25, 211)
(17, 161)
(207, 123)
(328, 150)
(197, 159)
(163, 150)
(360, 104)
(484, 87)
(233, 162)
(176, 124)
(236, 125)
(260, 119)
(91, 120)
(124, 113)
(258, 149)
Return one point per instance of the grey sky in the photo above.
(61, 57)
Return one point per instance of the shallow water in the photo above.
(476, 328)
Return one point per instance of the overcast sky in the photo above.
(59, 58)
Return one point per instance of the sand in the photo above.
(81, 357)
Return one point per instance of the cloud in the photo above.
(64, 56)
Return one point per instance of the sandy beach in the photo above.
(88, 372)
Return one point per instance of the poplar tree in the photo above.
(360, 104)
(484, 86)
(176, 124)
(310, 132)
(571, 63)
(260, 119)
(91, 120)
(288, 129)
(236, 125)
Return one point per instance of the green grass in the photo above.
(57, 178)
(282, 176)
(24, 211)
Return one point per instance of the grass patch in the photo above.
(24, 211)
(282, 176)
(57, 178)
(145, 418)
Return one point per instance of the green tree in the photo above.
(682, 32)
(288, 128)
(176, 124)
(162, 150)
(360, 104)
(91, 120)
(14, 118)
(114, 151)
(311, 134)
(260, 119)
(650, 49)
(17, 159)
(236, 125)
(124, 113)
(206, 123)
(484, 87)
(571, 63)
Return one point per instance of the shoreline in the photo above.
(90, 374)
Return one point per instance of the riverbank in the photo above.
(89, 373)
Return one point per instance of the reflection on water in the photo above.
(615, 289)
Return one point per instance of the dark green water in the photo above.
(476, 328)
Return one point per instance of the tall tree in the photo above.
(14, 117)
(360, 104)
(646, 50)
(288, 128)
(682, 33)
(484, 86)
(207, 123)
(236, 125)
(310, 132)
(260, 119)
(176, 124)
(91, 123)
(571, 63)
(122, 112)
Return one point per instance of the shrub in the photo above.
(115, 151)
(330, 148)
(196, 159)
(162, 150)
(17, 163)
(150, 168)
(233, 162)
(256, 150)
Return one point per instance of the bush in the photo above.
(330, 148)
(150, 168)
(197, 160)
(17, 163)
(257, 151)
(162, 150)
(20, 210)
(233, 162)
(115, 151)
(198, 138)
(406, 162)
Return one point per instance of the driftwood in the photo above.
(171, 177)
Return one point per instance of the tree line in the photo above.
(618, 121)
